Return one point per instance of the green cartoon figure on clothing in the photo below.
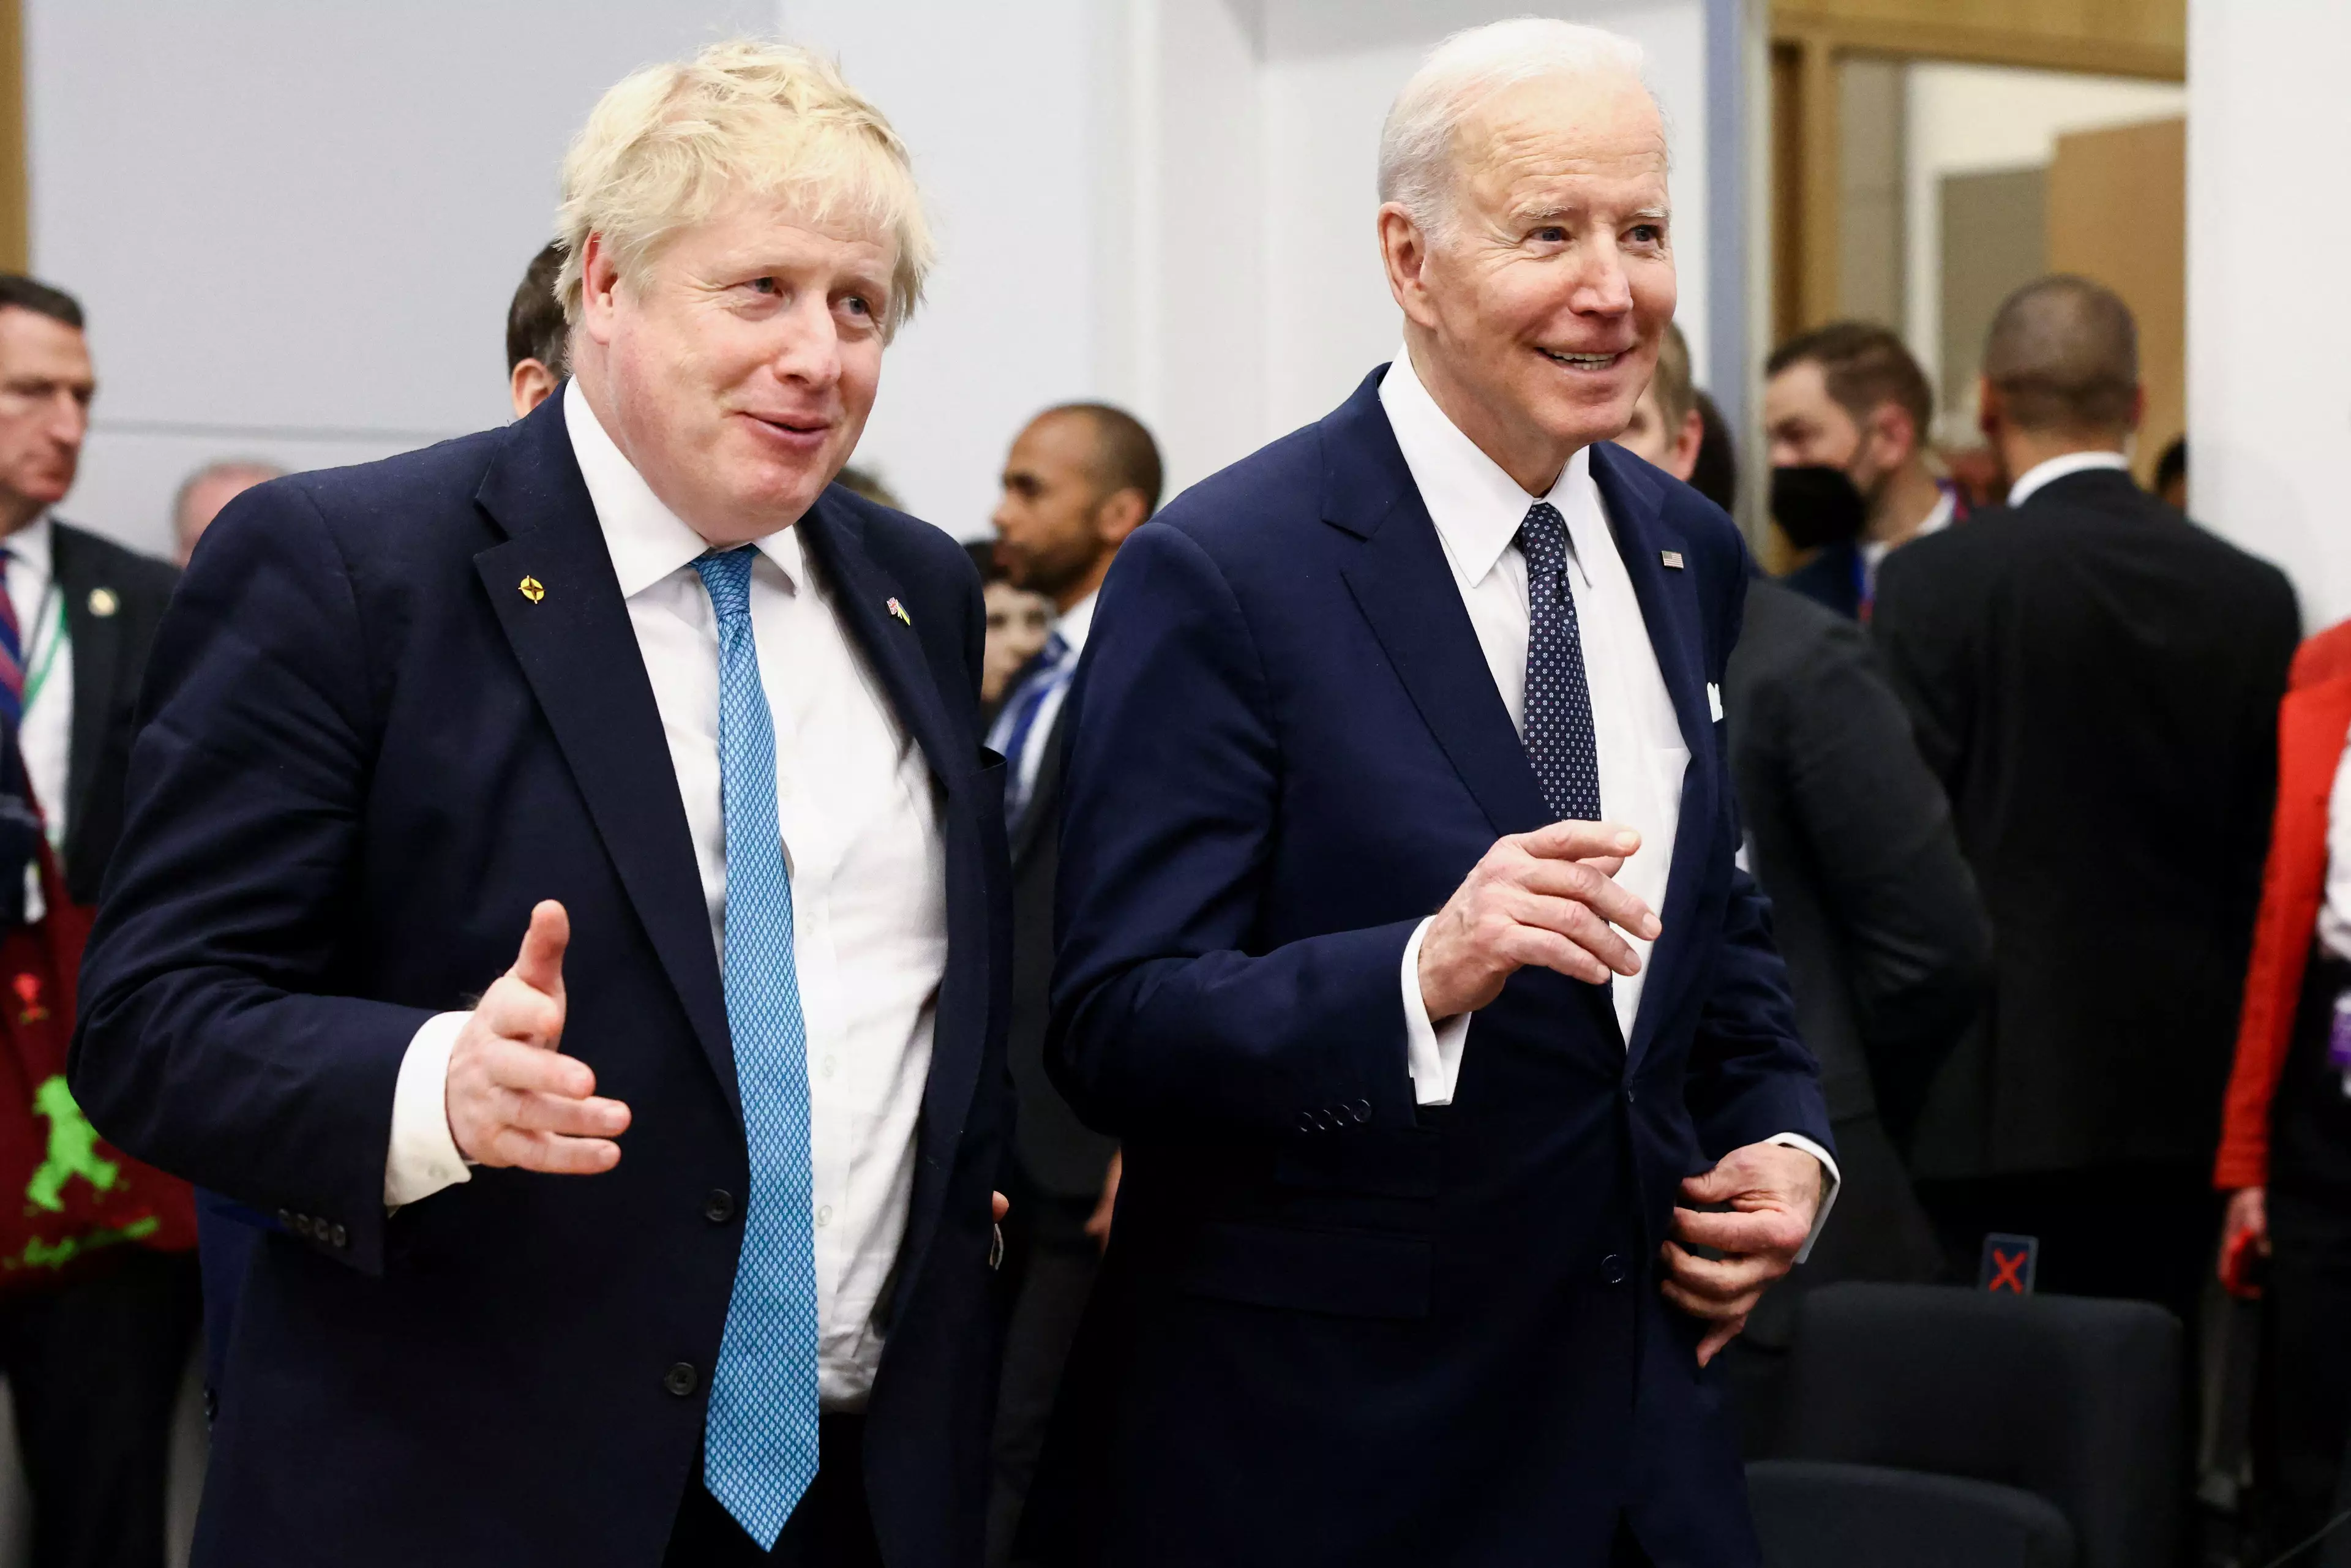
(73, 1149)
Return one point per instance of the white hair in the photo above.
(1417, 150)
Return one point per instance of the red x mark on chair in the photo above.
(2009, 1270)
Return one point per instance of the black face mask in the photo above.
(1816, 505)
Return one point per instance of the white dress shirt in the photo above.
(1478, 509)
(863, 845)
(44, 734)
(2335, 910)
(1071, 628)
(2057, 468)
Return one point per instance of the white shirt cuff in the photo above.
(423, 1156)
(1828, 1193)
(1432, 1050)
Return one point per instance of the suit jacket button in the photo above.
(339, 1237)
(286, 1217)
(718, 1206)
(681, 1379)
(1306, 1120)
(1612, 1268)
(1363, 1110)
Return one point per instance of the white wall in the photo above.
(1972, 120)
(295, 226)
(2269, 323)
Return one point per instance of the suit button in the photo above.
(681, 1379)
(1306, 1120)
(339, 1237)
(718, 1207)
(1629, 1094)
(1363, 1110)
(1612, 1268)
(286, 1217)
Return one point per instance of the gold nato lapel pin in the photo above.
(532, 589)
(900, 611)
(103, 603)
(1672, 558)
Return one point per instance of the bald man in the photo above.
(2096, 680)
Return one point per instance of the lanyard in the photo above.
(48, 617)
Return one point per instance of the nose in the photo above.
(1603, 289)
(809, 351)
(68, 419)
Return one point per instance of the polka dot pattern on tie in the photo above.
(1559, 738)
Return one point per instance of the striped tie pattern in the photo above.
(761, 1438)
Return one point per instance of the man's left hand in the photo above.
(1773, 1192)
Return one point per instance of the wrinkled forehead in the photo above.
(1596, 139)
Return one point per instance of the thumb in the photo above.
(539, 965)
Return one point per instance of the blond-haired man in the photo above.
(627, 797)
(1407, 1268)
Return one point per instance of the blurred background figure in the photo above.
(1078, 481)
(1848, 396)
(2286, 1144)
(203, 493)
(1019, 620)
(2095, 680)
(2171, 475)
(538, 352)
(1714, 473)
(866, 483)
(1667, 429)
(94, 1353)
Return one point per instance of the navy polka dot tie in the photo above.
(1559, 738)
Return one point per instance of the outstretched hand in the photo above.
(513, 1098)
(1773, 1193)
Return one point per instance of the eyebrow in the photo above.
(1550, 213)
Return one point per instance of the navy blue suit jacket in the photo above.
(1333, 1327)
(366, 754)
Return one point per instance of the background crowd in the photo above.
(2048, 793)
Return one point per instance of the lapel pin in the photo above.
(1672, 558)
(103, 603)
(900, 611)
(532, 589)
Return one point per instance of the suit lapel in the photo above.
(553, 589)
(94, 643)
(1042, 808)
(1404, 585)
(1670, 612)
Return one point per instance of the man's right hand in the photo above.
(513, 1098)
(2244, 1235)
(1548, 898)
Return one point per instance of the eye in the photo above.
(764, 286)
(1551, 234)
(1649, 233)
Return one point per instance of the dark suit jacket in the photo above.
(109, 657)
(1832, 580)
(365, 756)
(2095, 680)
(1058, 1154)
(1331, 1328)
(1872, 903)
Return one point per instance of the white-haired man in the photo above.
(1399, 1274)
(634, 687)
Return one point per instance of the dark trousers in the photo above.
(1050, 1262)
(2306, 1369)
(2135, 1232)
(832, 1527)
(94, 1367)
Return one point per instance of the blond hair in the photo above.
(668, 144)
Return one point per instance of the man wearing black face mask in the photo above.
(1849, 397)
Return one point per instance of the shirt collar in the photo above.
(2056, 468)
(1075, 622)
(1476, 507)
(29, 546)
(646, 540)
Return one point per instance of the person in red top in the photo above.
(2285, 1147)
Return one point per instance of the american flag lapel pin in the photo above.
(900, 611)
(1672, 558)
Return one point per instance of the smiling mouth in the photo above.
(1582, 362)
(790, 427)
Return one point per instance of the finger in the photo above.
(1719, 1185)
(1711, 1345)
(1705, 1308)
(539, 965)
(590, 1118)
(1575, 841)
(1721, 1279)
(1579, 925)
(1000, 1204)
(1581, 882)
(553, 1154)
(513, 1010)
(1740, 1231)
(1525, 945)
(521, 1067)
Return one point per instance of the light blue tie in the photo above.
(760, 1450)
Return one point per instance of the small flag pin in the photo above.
(1672, 558)
(900, 611)
(532, 589)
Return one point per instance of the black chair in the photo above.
(1925, 1424)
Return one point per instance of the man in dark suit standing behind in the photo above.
(1078, 481)
(1402, 1273)
(627, 794)
(94, 1362)
(2095, 679)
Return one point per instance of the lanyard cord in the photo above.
(49, 617)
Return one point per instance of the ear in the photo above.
(528, 385)
(2139, 406)
(1896, 435)
(1404, 251)
(1988, 419)
(1681, 458)
(600, 286)
(1120, 514)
